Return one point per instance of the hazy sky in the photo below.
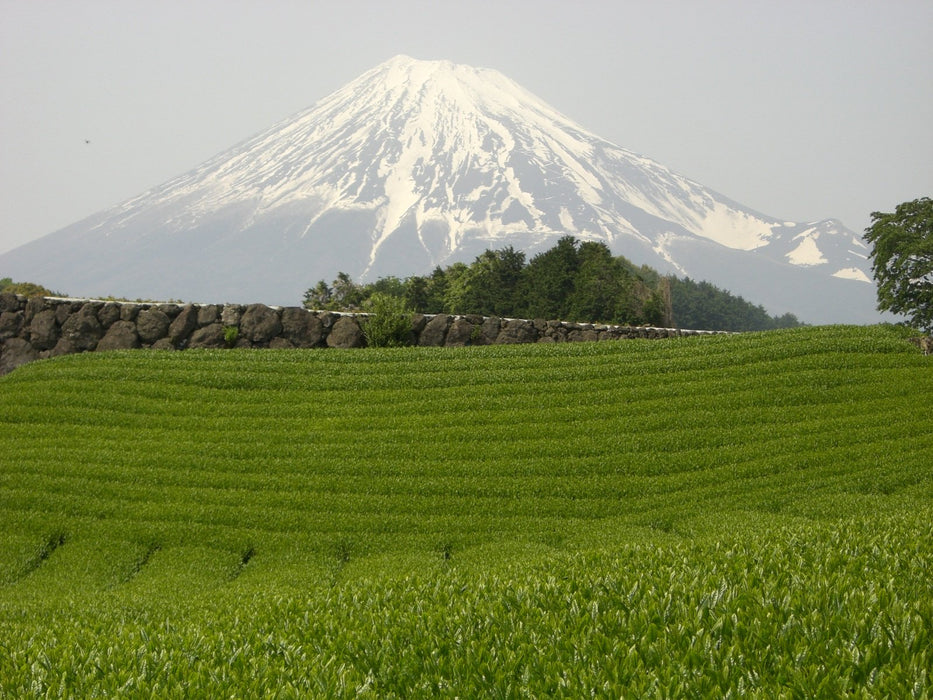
(800, 109)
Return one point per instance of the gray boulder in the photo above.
(108, 314)
(301, 328)
(34, 305)
(120, 336)
(129, 312)
(260, 324)
(15, 352)
(517, 331)
(490, 329)
(65, 309)
(170, 310)
(231, 314)
(346, 333)
(211, 336)
(435, 331)
(208, 314)
(183, 325)
(64, 346)
(9, 302)
(82, 329)
(152, 325)
(11, 323)
(44, 331)
(460, 333)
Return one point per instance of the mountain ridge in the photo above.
(416, 164)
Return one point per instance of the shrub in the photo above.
(388, 323)
(27, 289)
(231, 334)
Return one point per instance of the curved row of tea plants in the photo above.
(744, 515)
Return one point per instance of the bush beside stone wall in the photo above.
(41, 327)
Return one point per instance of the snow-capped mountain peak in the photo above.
(420, 163)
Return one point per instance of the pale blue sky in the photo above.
(802, 110)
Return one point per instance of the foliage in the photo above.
(702, 305)
(572, 281)
(342, 294)
(902, 260)
(716, 516)
(488, 286)
(231, 334)
(389, 321)
(26, 289)
(548, 281)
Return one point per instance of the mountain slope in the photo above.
(421, 163)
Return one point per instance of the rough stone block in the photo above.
(260, 324)
(301, 328)
(152, 325)
(435, 332)
(346, 333)
(120, 336)
(15, 352)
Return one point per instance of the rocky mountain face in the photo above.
(422, 163)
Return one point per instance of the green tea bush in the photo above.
(716, 516)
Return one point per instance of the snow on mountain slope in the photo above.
(421, 163)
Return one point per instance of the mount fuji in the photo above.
(416, 164)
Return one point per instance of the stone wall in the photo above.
(39, 327)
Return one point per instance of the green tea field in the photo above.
(718, 516)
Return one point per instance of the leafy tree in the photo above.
(435, 292)
(343, 294)
(346, 292)
(319, 296)
(547, 281)
(599, 283)
(455, 283)
(416, 293)
(572, 281)
(426, 294)
(902, 260)
(703, 305)
(488, 286)
(391, 286)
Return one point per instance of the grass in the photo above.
(714, 516)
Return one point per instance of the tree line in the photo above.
(572, 281)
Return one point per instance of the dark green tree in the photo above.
(701, 305)
(426, 294)
(599, 286)
(488, 285)
(416, 293)
(343, 294)
(391, 286)
(455, 283)
(902, 260)
(319, 296)
(436, 291)
(547, 281)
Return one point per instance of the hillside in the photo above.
(694, 515)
